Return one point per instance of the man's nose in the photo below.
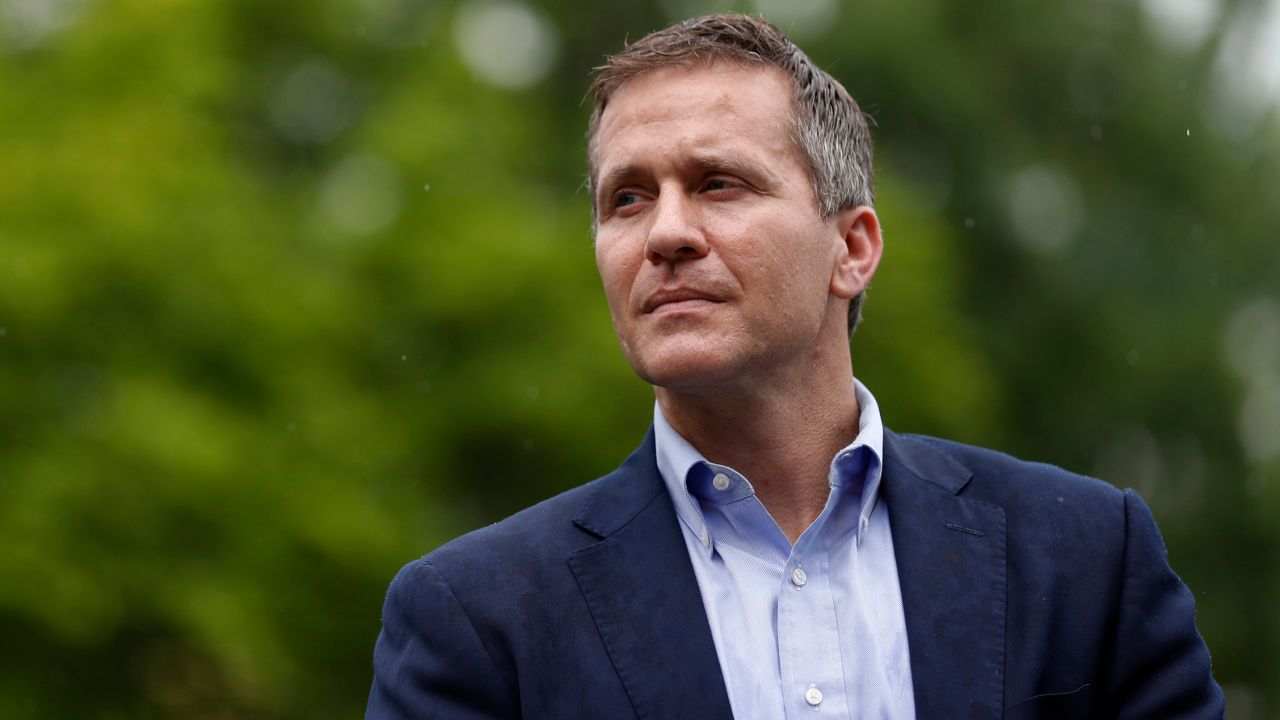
(676, 232)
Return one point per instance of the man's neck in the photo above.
(781, 436)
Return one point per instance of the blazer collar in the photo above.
(639, 585)
(919, 458)
(950, 552)
(623, 493)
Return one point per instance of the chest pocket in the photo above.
(1068, 705)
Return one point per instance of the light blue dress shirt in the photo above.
(806, 631)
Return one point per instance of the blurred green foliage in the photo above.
(291, 293)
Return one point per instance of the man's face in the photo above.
(714, 260)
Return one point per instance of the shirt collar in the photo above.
(861, 459)
(676, 457)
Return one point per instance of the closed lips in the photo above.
(677, 298)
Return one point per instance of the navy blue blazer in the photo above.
(1029, 592)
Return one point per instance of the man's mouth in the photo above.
(678, 299)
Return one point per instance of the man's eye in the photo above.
(717, 184)
(624, 199)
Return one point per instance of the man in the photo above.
(771, 550)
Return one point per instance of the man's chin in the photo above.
(683, 371)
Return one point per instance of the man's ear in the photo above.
(859, 253)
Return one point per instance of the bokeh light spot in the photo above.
(805, 19)
(1045, 208)
(1252, 339)
(361, 195)
(26, 24)
(1182, 24)
(311, 103)
(507, 44)
(1260, 421)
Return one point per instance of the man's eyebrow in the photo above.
(732, 164)
(617, 175)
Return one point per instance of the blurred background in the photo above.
(293, 292)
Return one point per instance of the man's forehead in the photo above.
(680, 94)
(715, 83)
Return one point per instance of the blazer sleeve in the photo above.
(1160, 666)
(429, 662)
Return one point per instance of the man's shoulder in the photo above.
(488, 568)
(530, 549)
(1059, 524)
(541, 530)
(1002, 479)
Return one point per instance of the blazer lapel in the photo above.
(639, 585)
(952, 571)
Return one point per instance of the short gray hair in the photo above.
(828, 127)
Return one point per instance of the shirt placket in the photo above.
(808, 639)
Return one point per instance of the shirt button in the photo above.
(721, 481)
(813, 696)
(799, 578)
